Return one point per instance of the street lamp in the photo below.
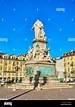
(14, 85)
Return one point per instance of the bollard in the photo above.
(5, 85)
(14, 87)
(39, 87)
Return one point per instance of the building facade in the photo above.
(69, 64)
(12, 66)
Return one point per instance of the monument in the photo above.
(38, 57)
(40, 70)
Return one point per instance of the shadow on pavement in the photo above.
(20, 94)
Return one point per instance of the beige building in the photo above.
(69, 64)
(12, 66)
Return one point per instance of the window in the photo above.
(0, 68)
(13, 63)
(72, 63)
(17, 63)
(6, 57)
(13, 58)
(64, 59)
(64, 71)
(8, 74)
(20, 74)
(5, 64)
(64, 64)
(68, 69)
(0, 73)
(23, 58)
(68, 63)
(0, 60)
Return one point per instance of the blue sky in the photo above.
(18, 16)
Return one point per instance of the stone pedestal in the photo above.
(26, 80)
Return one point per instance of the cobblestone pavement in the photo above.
(6, 93)
(53, 94)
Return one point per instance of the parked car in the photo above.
(3, 82)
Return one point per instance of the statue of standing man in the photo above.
(39, 29)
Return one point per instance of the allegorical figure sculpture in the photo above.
(38, 29)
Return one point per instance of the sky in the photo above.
(18, 16)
